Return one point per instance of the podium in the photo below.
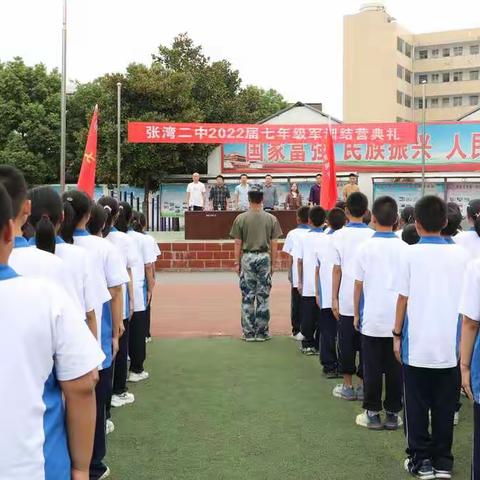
(216, 225)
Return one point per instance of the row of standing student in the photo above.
(76, 295)
(370, 304)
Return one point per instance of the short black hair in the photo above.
(454, 219)
(243, 175)
(407, 214)
(6, 210)
(318, 175)
(357, 204)
(317, 216)
(473, 214)
(15, 185)
(431, 213)
(302, 214)
(268, 175)
(353, 175)
(336, 218)
(220, 176)
(340, 204)
(255, 196)
(385, 210)
(410, 234)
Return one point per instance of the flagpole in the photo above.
(63, 106)
(119, 158)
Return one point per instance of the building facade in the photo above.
(388, 69)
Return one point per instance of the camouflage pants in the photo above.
(255, 285)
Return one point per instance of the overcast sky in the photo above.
(294, 46)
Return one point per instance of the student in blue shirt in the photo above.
(429, 283)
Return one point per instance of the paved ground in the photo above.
(205, 304)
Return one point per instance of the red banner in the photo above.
(220, 133)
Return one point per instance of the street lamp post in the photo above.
(424, 110)
(119, 157)
(63, 106)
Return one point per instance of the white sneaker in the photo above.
(337, 391)
(122, 399)
(456, 419)
(148, 339)
(109, 427)
(137, 377)
(106, 474)
(299, 337)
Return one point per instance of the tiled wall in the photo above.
(203, 256)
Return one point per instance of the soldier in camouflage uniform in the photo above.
(255, 233)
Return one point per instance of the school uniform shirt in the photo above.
(470, 241)
(290, 245)
(29, 261)
(431, 276)
(197, 193)
(109, 269)
(399, 233)
(470, 306)
(376, 262)
(325, 265)
(48, 340)
(306, 249)
(128, 254)
(146, 255)
(344, 246)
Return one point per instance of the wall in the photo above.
(213, 256)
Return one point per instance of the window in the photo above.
(408, 76)
(408, 50)
(435, 53)
(457, 101)
(408, 101)
(474, 49)
(399, 71)
(473, 100)
(457, 76)
(419, 102)
(400, 43)
(423, 54)
(423, 78)
(446, 77)
(457, 51)
(399, 97)
(445, 101)
(446, 52)
(473, 74)
(434, 102)
(435, 77)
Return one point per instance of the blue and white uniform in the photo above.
(50, 342)
(110, 272)
(324, 262)
(469, 240)
(290, 246)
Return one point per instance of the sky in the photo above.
(292, 46)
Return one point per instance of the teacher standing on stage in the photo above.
(256, 233)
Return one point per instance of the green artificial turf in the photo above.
(223, 409)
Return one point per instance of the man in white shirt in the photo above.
(427, 326)
(241, 193)
(48, 406)
(289, 246)
(375, 304)
(196, 194)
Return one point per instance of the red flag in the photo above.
(86, 179)
(328, 195)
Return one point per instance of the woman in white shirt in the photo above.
(470, 239)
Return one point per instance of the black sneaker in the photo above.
(392, 421)
(424, 471)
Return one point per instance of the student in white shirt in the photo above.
(45, 218)
(144, 283)
(305, 251)
(289, 245)
(48, 406)
(196, 194)
(344, 248)
(25, 260)
(470, 239)
(336, 220)
(126, 250)
(107, 261)
(375, 305)
(470, 353)
(427, 326)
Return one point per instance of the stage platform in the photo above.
(180, 255)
